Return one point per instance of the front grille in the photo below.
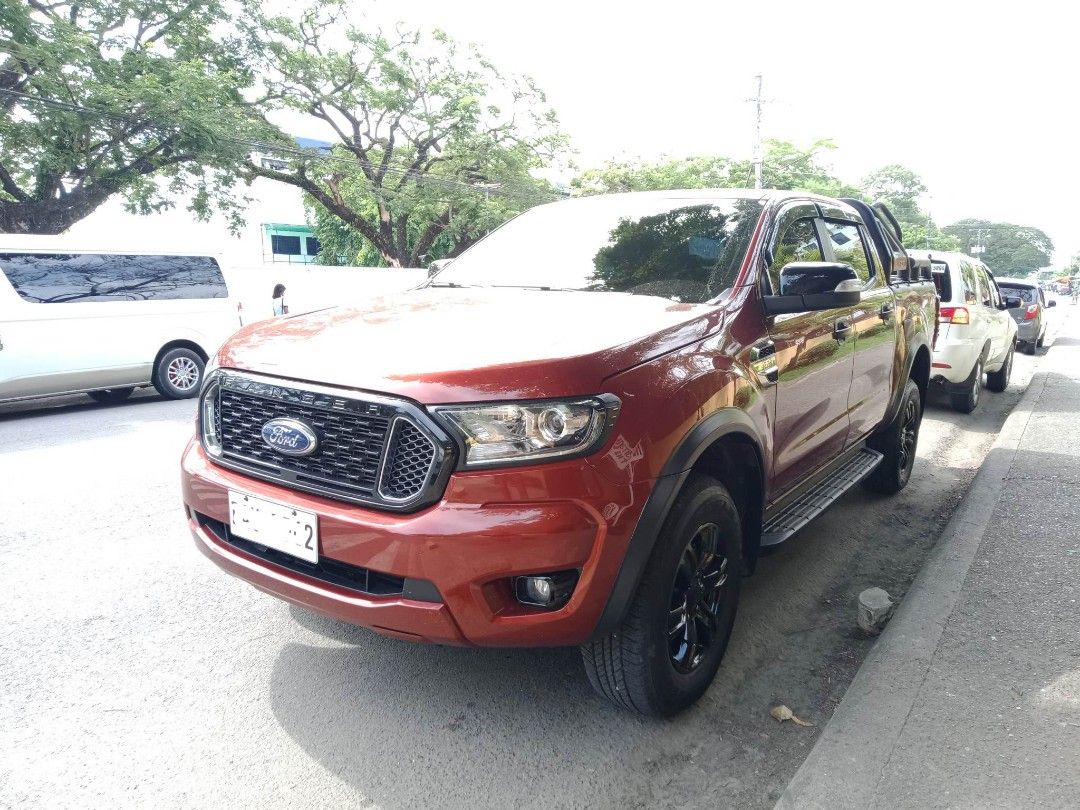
(407, 462)
(370, 451)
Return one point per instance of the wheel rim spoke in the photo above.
(696, 599)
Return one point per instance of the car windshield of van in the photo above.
(686, 250)
(1025, 294)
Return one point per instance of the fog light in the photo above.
(546, 590)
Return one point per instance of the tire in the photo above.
(648, 665)
(110, 395)
(179, 374)
(1029, 347)
(1041, 341)
(967, 398)
(998, 380)
(897, 443)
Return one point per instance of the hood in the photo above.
(440, 345)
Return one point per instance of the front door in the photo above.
(814, 362)
(873, 324)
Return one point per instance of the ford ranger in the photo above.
(583, 431)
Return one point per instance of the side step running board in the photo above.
(819, 497)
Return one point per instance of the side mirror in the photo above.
(1012, 302)
(1052, 302)
(437, 267)
(815, 286)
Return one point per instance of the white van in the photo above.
(107, 322)
(976, 334)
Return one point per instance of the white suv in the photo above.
(976, 333)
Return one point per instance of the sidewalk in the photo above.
(971, 697)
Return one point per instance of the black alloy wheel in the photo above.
(696, 598)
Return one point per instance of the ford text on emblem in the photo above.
(290, 437)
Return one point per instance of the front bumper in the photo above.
(489, 527)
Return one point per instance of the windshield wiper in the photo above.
(451, 284)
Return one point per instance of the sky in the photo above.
(979, 99)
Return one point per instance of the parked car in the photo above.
(107, 323)
(583, 431)
(976, 334)
(1030, 316)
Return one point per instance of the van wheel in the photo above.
(666, 652)
(999, 380)
(967, 398)
(1029, 347)
(179, 374)
(897, 443)
(111, 395)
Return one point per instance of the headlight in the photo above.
(209, 425)
(518, 432)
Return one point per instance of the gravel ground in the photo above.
(134, 673)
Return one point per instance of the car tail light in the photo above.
(1031, 312)
(957, 315)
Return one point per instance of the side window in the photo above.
(971, 288)
(798, 242)
(986, 296)
(89, 277)
(848, 247)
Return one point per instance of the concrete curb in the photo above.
(849, 758)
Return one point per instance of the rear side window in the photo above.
(61, 278)
(848, 247)
(971, 287)
(939, 271)
(986, 295)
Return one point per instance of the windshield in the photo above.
(686, 250)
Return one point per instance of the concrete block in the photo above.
(875, 609)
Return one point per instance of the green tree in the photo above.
(104, 97)
(433, 146)
(784, 166)
(900, 188)
(703, 171)
(1008, 249)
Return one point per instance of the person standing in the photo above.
(280, 307)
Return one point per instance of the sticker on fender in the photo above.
(275, 525)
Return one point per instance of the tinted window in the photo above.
(285, 245)
(798, 243)
(312, 246)
(69, 277)
(942, 280)
(1025, 294)
(986, 298)
(848, 247)
(967, 274)
(666, 247)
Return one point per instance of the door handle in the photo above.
(841, 329)
(887, 311)
(763, 361)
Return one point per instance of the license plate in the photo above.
(275, 525)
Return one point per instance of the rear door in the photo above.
(998, 321)
(814, 354)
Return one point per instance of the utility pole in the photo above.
(758, 101)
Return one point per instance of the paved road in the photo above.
(134, 673)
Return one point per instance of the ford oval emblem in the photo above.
(290, 437)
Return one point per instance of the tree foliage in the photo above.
(103, 97)
(1008, 249)
(433, 146)
(784, 166)
(901, 189)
